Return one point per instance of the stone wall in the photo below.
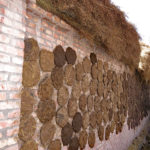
(23, 20)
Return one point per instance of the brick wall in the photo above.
(21, 19)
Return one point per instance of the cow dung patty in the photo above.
(86, 65)
(107, 132)
(29, 145)
(93, 58)
(47, 133)
(55, 145)
(79, 72)
(71, 56)
(74, 144)
(101, 133)
(82, 102)
(59, 56)
(83, 139)
(66, 134)
(46, 110)
(77, 122)
(93, 119)
(85, 120)
(91, 139)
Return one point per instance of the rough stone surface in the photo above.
(62, 116)
(93, 119)
(31, 73)
(46, 60)
(86, 65)
(91, 139)
(31, 50)
(47, 133)
(27, 102)
(90, 103)
(85, 120)
(71, 56)
(72, 107)
(83, 136)
(77, 122)
(46, 110)
(93, 58)
(27, 128)
(66, 134)
(59, 56)
(55, 145)
(79, 71)
(57, 77)
(101, 133)
(63, 96)
(69, 75)
(45, 89)
(93, 87)
(29, 145)
(82, 102)
(74, 144)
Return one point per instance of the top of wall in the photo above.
(102, 23)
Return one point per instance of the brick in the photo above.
(9, 68)
(4, 58)
(3, 76)
(4, 38)
(1, 115)
(14, 147)
(30, 30)
(2, 96)
(17, 43)
(8, 105)
(17, 60)
(8, 123)
(48, 32)
(8, 142)
(2, 11)
(3, 2)
(15, 95)
(32, 25)
(14, 114)
(12, 132)
(1, 135)
(15, 78)
(7, 86)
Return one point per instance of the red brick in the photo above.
(1, 115)
(3, 76)
(8, 123)
(32, 25)
(2, 11)
(14, 114)
(1, 19)
(3, 2)
(4, 38)
(2, 96)
(56, 19)
(15, 95)
(4, 58)
(1, 135)
(14, 147)
(17, 43)
(31, 31)
(12, 132)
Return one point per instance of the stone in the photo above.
(46, 110)
(90, 103)
(94, 71)
(59, 56)
(72, 107)
(62, 116)
(93, 87)
(46, 60)
(45, 89)
(74, 144)
(83, 136)
(93, 119)
(27, 128)
(99, 118)
(79, 72)
(100, 76)
(57, 77)
(66, 134)
(97, 103)
(76, 90)
(47, 133)
(100, 65)
(71, 56)
(27, 102)
(93, 58)
(82, 102)
(91, 139)
(63, 96)
(86, 65)
(69, 75)
(101, 133)
(86, 83)
(31, 50)
(55, 145)
(100, 89)
(29, 145)
(85, 120)
(77, 122)
(31, 73)
(107, 132)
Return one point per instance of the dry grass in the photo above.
(102, 23)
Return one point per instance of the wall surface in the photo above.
(20, 19)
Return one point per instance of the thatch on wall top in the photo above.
(102, 23)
